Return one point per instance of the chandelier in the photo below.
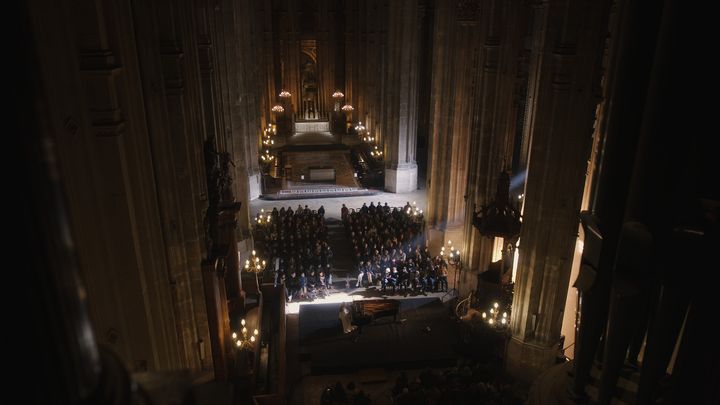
(376, 152)
(499, 218)
(338, 94)
(347, 108)
(285, 94)
(278, 108)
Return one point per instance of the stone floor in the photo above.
(306, 388)
(334, 204)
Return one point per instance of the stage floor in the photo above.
(384, 343)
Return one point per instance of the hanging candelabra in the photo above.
(376, 153)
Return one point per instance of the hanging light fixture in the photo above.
(500, 218)
(338, 94)
(285, 94)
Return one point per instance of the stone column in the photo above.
(625, 89)
(563, 94)
(401, 93)
(503, 28)
(249, 65)
(452, 100)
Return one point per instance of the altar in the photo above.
(321, 174)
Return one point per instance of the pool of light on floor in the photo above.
(336, 297)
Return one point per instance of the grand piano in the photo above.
(367, 311)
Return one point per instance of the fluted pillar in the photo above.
(504, 24)
(249, 64)
(568, 40)
(454, 77)
(402, 96)
(630, 58)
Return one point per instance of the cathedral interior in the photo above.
(563, 224)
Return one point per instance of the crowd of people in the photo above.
(341, 395)
(468, 383)
(388, 245)
(300, 257)
(390, 250)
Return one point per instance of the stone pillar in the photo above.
(503, 28)
(248, 135)
(563, 94)
(629, 291)
(672, 192)
(630, 59)
(401, 94)
(452, 101)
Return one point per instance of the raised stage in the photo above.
(315, 171)
(383, 343)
